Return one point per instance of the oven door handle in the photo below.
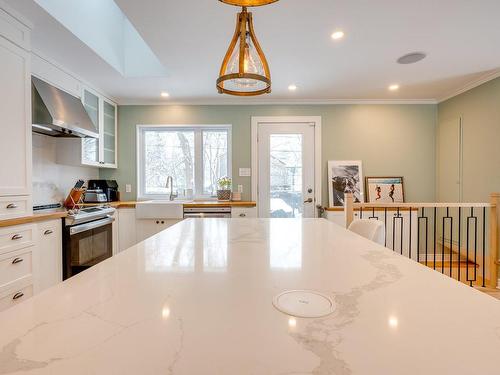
(206, 215)
(92, 225)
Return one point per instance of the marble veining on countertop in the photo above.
(197, 299)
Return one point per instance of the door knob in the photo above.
(310, 200)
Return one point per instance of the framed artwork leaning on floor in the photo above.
(384, 190)
(344, 176)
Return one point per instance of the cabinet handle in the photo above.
(47, 232)
(11, 206)
(17, 260)
(243, 215)
(16, 237)
(18, 295)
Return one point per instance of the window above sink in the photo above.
(196, 156)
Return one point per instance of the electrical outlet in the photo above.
(128, 188)
(240, 188)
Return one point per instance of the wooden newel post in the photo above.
(494, 240)
(348, 208)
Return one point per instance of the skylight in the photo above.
(104, 28)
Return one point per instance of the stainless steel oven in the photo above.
(88, 239)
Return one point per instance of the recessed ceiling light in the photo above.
(292, 87)
(394, 87)
(338, 35)
(411, 58)
(165, 94)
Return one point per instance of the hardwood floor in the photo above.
(495, 293)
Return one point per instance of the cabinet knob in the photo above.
(162, 222)
(11, 206)
(17, 260)
(16, 237)
(243, 215)
(157, 222)
(47, 232)
(18, 295)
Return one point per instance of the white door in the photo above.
(286, 170)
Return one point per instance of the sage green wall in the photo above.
(480, 112)
(391, 140)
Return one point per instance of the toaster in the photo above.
(95, 196)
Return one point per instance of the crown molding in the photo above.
(473, 84)
(283, 102)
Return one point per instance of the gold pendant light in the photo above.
(244, 71)
(248, 3)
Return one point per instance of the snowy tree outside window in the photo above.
(195, 156)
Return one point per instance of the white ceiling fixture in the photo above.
(358, 71)
(164, 94)
(292, 87)
(394, 87)
(337, 35)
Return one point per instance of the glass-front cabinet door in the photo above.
(103, 113)
(90, 146)
(109, 133)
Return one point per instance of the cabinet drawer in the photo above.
(16, 237)
(243, 212)
(15, 265)
(15, 296)
(15, 206)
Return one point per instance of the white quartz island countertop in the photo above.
(197, 299)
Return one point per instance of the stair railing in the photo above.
(457, 239)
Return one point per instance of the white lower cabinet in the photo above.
(126, 228)
(244, 212)
(17, 264)
(48, 265)
(149, 227)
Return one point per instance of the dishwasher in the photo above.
(206, 212)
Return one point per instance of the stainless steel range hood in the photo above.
(57, 113)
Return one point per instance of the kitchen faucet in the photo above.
(172, 195)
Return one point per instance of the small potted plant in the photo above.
(224, 191)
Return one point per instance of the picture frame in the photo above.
(384, 190)
(345, 176)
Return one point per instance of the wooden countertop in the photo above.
(59, 214)
(196, 204)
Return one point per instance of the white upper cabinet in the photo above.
(97, 152)
(15, 107)
(100, 152)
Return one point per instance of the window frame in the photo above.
(198, 155)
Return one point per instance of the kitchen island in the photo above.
(197, 298)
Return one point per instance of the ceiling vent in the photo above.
(412, 58)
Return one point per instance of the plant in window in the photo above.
(224, 191)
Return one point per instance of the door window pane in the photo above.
(286, 175)
(168, 153)
(215, 159)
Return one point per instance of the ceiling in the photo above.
(190, 38)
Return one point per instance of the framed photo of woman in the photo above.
(384, 190)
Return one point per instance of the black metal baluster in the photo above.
(459, 240)
(409, 250)
(435, 239)
(361, 212)
(385, 222)
(484, 246)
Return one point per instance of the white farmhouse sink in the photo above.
(160, 209)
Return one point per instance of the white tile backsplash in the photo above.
(52, 181)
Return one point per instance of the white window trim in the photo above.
(198, 165)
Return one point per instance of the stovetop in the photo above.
(87, 214)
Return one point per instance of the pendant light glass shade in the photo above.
(248, 3)
(244, 71)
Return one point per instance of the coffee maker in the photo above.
(109, 187)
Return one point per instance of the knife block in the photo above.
(74, 199)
